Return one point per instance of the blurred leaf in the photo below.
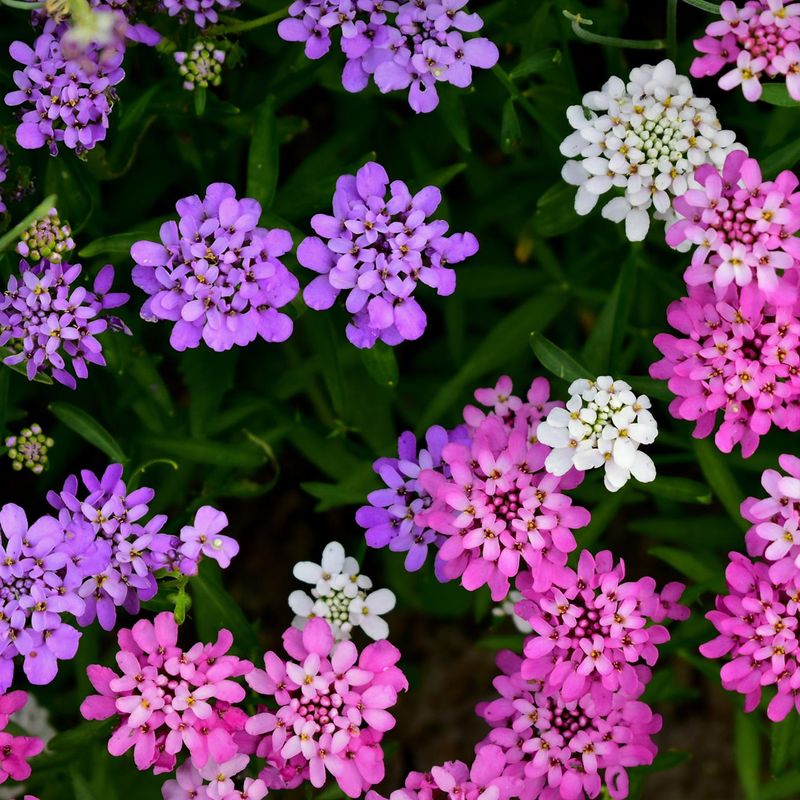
(120, 243)
(777, 94)
(555, 211)
(451, 112)
(786, 787)
(690, 565)
(262, 162)
(510, 128)
(206, 451)
(684, 490)
(748, 754)
(538, 62)
(720, 477)
(444, 176)
(89, 428)
(381, 364)
(783, 158)
(556, 361)
(783, 744)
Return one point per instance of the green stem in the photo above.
(249, 25)
(11, 237)
(22, 4)
(712, 8)
(672, 29)
(577, 22)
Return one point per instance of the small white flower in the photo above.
(603, 425)
(339, 595)
(645, 138)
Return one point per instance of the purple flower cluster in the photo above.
(51, 324)
(202, 12)
(216, 274)
(3, 174)
(379, 245)
(131, 551)
(412, 45)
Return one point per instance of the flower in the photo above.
(758, 39)
(201, 12)
(202, 66)
(379, 245)
(563, 749)
(743, 225)
(166, 699)
(645, 137)
(757, 623)
(15, 750)
(340, 595)
(737, 354)
(592, 636)
(203, 538)
(401, 45)
(29, 449)
(47, 238)
(52, 325)
(603, 425)
(332, 705)
(215, 274)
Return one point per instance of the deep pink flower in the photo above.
(15, 750)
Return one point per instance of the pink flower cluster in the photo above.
(168, 699)
(593, 636)
(759, 39)
(556, 749)
(742, 226)
(332, 708)
(737, 354)
(15, 750)
(497, 508)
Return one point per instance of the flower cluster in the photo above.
(201, 12)
(646, 138)
(340, 595)
(380, 244)
(592, 632)
(737, 354)
(561, 749)
(28, 449)
(168, 699)
(201, 66)
(603, 425)
(216, 274)
(52, 324)
(129, 551)
(47, 239)
(758, 39)
(15, 750)
(332, 705)
(757, 623)
(742, 226)
(402, 45)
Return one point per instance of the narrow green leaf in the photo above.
(683, 490)
(510, 128)
(786, 787)
(538, 62)
(119, 244)
(783, 744)
(206, 451)
(689, 564)
(556, 361)
(262, 161)
(747, 748)
(86, 426)
(5, 377)
(555, 211)
(777, 94)
(200, 100)
(381, 363)
(451, 111)
(444, 176)
(783, 158)
(720, 477)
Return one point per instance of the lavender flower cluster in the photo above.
(411, 45)
(380, 244)
(94, 554)
(52, 325)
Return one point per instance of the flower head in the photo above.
(201, 66)
(15, 750)
(215, 274)
(379, 245)
(645, 137)
(29, 449)
(47, 238)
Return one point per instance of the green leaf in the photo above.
(555, 360)
(90, 429)
(451, 112)
(538, 62)
(777, 94)
(444, 176)
(119, 244)
(5, 376)
(262, 161)
(786, 787)
(720, 477)
(381, 363)
(510, 128)
(40, 377)
(747, 748)
(689, 564)
(555, 211)
(200, 100)
(783, 158)
(206, 451)
(683, 490)
(783, 744)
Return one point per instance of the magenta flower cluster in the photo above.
(215, 274)
(15, 750)
(757, 40)
(52, 325)
(401, 45)
(379, 245)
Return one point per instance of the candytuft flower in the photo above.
(201, 12)
(340, 595)
(377, 246)
(47, 239)
(15, 750)
(603, 425)
(201, 66)
(215, 274)
(645, 137)
(28, 449)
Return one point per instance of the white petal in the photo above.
(643, 468)
(585, 201)
(559, 461)
(333, 558)
(307, 571)
(374, 627)
(552, 437)
(617, 209)
(637, 224)
(624, 452)
(301, 603)
(380, 602)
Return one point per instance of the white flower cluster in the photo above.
(340, 595)
(604, 424)
(645, 138)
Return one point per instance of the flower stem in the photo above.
(25, 5)
(577, 22)
(672, 29)
(712, 8)
(251, 24)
